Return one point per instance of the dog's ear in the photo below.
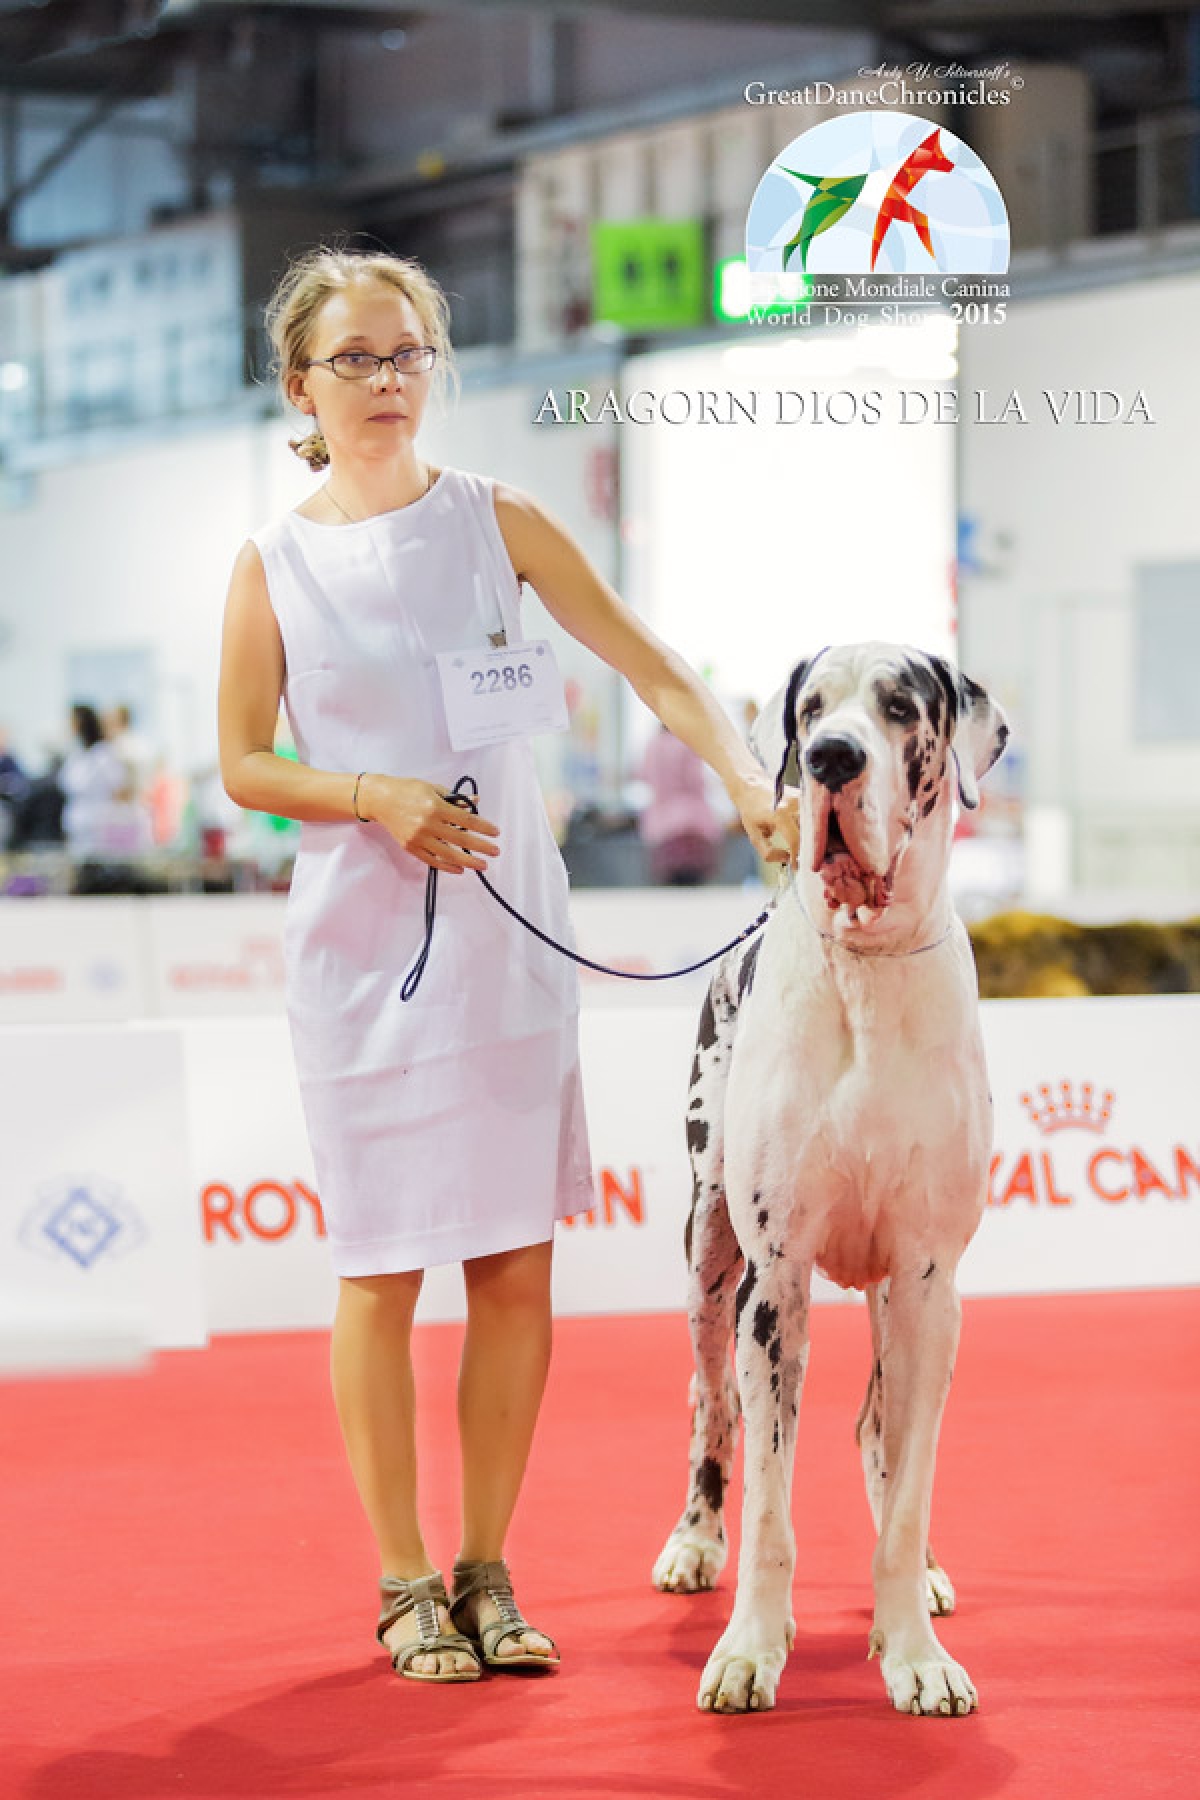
(773, 733)
(978, 729)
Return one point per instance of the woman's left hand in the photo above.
(773, 830)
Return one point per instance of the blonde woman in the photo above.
(448, 1127)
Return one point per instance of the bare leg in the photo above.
(868, 1433)
(919, 1345)
(371, 1369)
(506, 1356)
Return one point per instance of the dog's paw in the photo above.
(939, 1591)
(920, 1678)
(689, 1563)
(741, 1675)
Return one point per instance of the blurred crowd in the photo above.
(102, 797)
(105, 803)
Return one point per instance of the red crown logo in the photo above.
(1058, 1108)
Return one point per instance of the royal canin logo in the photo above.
(260, 965)
(33, 979)
(1066, 1112)
(1112, 1174)
(270, 1211)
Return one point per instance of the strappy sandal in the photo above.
(494, 1580)
(423, 1596)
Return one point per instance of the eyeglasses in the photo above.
(363, 365)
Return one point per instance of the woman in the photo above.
(449, 1126)
(94, 780)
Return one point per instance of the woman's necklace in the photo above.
(332, 496)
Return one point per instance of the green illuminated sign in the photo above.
(737, 294)
(648, 274)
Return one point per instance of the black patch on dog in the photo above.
(879, 1371)
(947, 678)
(796, 680)
(697, 1135)
(914, 766)
(745, 1289)
(775, 1382)
(694, 1077)
(710, 1483)
(929, 1271)
(766, 1322)
(931, 680)
(763, 1216)
(929, 806)
(706, 1036)
(776, 1350)
(746, 972)
(775, 1439)
(717, 1285)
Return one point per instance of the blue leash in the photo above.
(459, 797)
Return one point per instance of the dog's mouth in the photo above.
(841, 858)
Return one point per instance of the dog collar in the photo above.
(853, 949)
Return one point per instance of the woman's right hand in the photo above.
(423, 822)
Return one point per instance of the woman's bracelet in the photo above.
(354, 801)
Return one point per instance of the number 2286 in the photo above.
(490, 681)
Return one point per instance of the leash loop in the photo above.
(458, 796)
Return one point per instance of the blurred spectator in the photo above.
(96, 783)
(14, 787)
(135, 750)
(680, 826)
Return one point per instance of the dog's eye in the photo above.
(811, 708)
(902, 711)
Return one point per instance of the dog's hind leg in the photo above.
(868, 1434)
(695, 1552)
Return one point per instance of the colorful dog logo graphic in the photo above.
(877, 193)
(832, 197)
(897, 208)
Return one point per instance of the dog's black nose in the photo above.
(834, 760)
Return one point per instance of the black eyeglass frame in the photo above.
(426, 352)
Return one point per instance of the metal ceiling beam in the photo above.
(102, 109)
(938, 15)
(853, 14)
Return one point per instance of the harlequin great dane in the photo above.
(839, 1118)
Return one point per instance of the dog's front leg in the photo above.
(742, 1674)
(919, 1344)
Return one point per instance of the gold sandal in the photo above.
(423, 1596)
(494, 1580)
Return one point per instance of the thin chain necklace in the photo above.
(332, 496)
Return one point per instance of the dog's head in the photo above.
(876, 736)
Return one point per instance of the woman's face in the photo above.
(369, 419)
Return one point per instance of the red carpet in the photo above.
(189, 1587)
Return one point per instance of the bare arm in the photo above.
(414, 812)
(544, 554)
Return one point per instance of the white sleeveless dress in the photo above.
(450, 1125)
